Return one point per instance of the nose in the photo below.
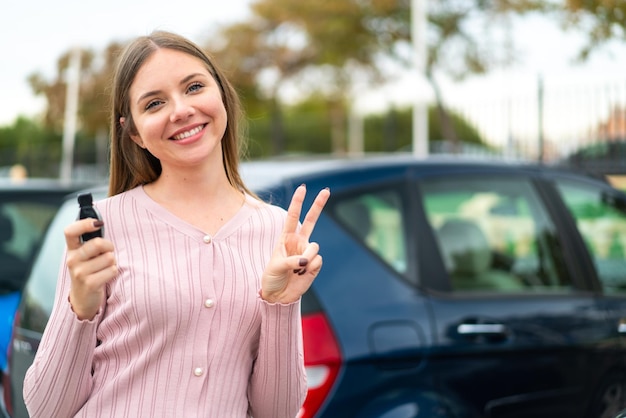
(181, 109)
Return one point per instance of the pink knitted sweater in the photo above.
(183, 332)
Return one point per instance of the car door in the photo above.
(599, 212)
(513, 320)
(24, 216)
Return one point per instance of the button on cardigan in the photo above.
(183, 332)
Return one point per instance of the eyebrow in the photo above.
(155, 92)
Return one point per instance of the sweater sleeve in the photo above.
(278, 382)
(59, 381)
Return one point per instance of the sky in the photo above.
(35, 33)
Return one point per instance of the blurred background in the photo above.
(541, 80)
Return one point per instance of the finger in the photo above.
(93, 266)
(293, 212)
(310, 253)
(91, 256)
(311, 250)
(312, 269)
(314, 213)
(315, 265)
(74, 230)
(94, 248)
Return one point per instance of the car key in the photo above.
(87, 210)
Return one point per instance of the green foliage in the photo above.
(599, 20)
(28, 144)
(306, 128)
(464, 130)
(389, 131)
(393, 130)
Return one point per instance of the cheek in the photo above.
(219, 110)
(215, 106)
(149, 127)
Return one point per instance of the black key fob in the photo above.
(87, 210)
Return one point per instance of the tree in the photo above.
(316, 46)
(328, 47)
(94, 96)
(244, 50)
(27, 143)
(600, 20)
(392, 131)
(55, 90)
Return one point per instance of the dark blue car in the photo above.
(450, 288)
(26, 208)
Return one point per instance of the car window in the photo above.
(376, 219)
(22, 224)
(602, 224)
(42, 279)
(494, 235)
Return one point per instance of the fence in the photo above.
(547, 118)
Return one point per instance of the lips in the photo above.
(188, 133)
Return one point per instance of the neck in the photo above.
(190, 185)
(203, 201)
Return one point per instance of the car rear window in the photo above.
(22, 225)
(377, 219)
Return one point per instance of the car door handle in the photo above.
(481, 329)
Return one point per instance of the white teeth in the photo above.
(188, 133)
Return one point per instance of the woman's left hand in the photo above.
(295, 262)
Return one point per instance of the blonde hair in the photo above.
(131, 165)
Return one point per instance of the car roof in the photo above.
(260, 174)
(40, 185)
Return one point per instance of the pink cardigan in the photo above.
(183, 332)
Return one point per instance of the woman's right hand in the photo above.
(91, 265)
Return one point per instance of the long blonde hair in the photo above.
(131, 165)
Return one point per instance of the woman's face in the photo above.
(178, 110)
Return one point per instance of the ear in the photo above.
(136, 138)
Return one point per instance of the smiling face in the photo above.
(178, 111)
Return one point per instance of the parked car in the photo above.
(26, 208)
(450, 288)
(603, 157)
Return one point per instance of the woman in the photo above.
(189, 305)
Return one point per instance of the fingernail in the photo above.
(327, 188)
(303, 185)
(298, 271)
(303, 262)
(98, 224)
(301, 272)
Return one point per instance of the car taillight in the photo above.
(322, 360)
(6, 382)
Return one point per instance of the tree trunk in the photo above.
(277, 130)
(337, 127)
(447, 127)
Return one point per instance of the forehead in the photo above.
(166, 66)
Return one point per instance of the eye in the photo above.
(152, 104)
(194, 87)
